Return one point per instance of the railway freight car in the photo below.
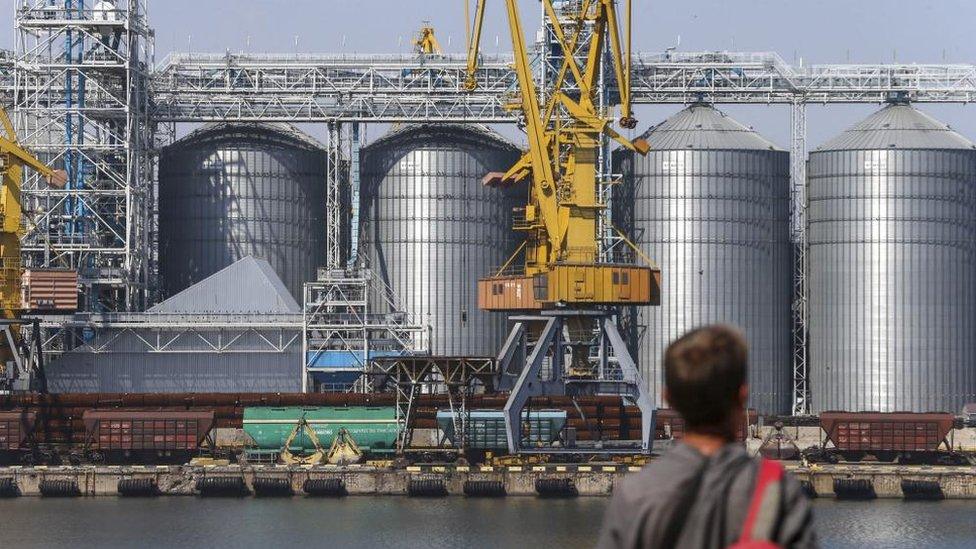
(127, 436)
(670, 425)
(901, 437)
(486, 431)
(15, 429)
(374, 429)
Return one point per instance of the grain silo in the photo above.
(892, 238)
(710, 204)
(232, 190)
(431, 228)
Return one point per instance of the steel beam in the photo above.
(395, 88)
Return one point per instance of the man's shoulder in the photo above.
(662, 477)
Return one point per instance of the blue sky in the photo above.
(818, 31)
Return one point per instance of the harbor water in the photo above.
(393, 522)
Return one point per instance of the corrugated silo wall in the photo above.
(892, 258)
(238, 191)
(716, 221)
(432, 229)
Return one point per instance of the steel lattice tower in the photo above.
(82, 104)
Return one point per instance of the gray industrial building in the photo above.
(238, 330)
(878, 336)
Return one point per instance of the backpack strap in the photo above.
(764, 508)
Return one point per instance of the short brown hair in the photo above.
(704, 370)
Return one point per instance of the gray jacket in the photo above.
(644, 504)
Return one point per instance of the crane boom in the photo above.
(9, 146)
(474, 44)
(562, 251)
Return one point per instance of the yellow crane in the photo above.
(426, 43)
(13, 159)
(562, 264)
(564, 339)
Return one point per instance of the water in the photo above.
(392, 523)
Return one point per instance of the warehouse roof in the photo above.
(897, 126)
(249, 285)
(702, 126)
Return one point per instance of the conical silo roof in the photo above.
(897, 126)
(704, 127)
(230, 129)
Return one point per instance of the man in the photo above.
(700, 494)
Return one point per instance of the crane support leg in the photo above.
(513, 352)
(571, 353)
(639, 395)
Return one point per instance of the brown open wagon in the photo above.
(126, 435)
(902, 436)
(15, 428)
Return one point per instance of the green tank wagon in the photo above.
(373, 428)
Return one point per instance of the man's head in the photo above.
(705, 377)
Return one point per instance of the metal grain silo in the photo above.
(892, 238)
(710, 204)
(431, 228)
(230, 190)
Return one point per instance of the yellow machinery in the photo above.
(426, 43)
(562, 265)
(565, 339)
(315, 458)
(13, 159)
(344, 450)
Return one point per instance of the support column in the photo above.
(798, 238)
(354, 179)
(333, 198)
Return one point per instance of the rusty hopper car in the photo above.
(15, 427)
(670, 425)
(899, 436)
(153, 436)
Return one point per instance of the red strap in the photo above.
(769, 472)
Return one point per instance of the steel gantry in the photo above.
(410, 376)
(333, 88)
(106, 140)
(394, 88)
(350, 316)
